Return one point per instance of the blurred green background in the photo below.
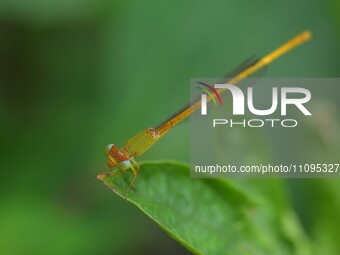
(76, 75)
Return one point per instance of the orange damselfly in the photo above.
(124, 158)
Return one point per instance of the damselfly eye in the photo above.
(108, 148)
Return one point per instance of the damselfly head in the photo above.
(115, 156)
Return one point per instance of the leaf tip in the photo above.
(101, 177)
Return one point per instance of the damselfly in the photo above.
(124, 158)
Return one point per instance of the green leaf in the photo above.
(208, 216)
